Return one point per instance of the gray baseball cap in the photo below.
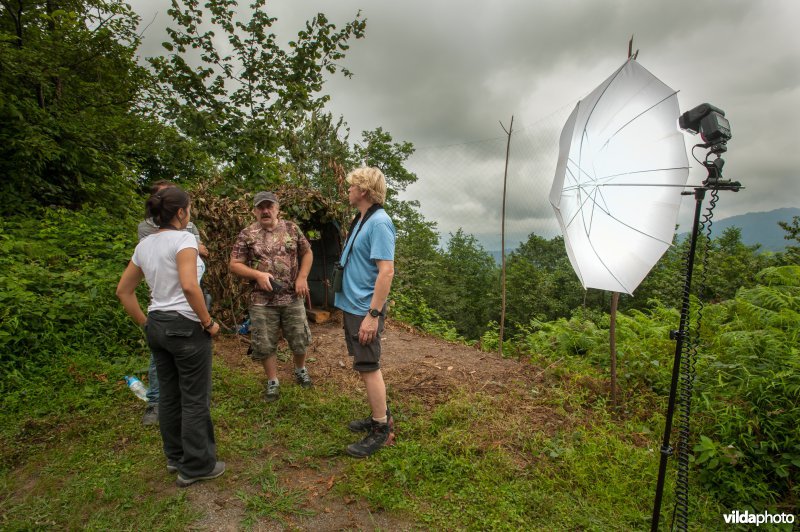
(264, 196)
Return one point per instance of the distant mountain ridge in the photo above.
(757, 227)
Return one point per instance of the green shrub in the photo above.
(410, 307)
(747, 392)
(58, 274)
(749, 381)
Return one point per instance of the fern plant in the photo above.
(750, 389)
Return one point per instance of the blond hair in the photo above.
(371, 180)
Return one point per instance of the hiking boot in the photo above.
(172, 466)
(363, 425)
(380, 435)
(219, 469)
(150, 416)
(272, 392)
(303, 378)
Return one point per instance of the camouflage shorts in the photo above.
(266, 323)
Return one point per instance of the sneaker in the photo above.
(272, 392)
(219, 469)
(172, 466)
(303, 378)
(363, 425)
(150, 416)
(380, 435)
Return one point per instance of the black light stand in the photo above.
(714, 182)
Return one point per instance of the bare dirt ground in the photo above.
(415, 366)
(413, 363)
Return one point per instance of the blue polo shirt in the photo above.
(375, 241)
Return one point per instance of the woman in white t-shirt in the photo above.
(179, 328)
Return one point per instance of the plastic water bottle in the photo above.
(137, 387)
(244, 328)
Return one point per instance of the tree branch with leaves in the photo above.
(238, 103)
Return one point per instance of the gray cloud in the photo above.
(444, 73)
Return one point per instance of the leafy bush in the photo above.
(409, 307)
(490, 341)
(748, 380)
(563, 337)
(58, 274)
(750, 385)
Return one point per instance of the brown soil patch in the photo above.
(414, 364)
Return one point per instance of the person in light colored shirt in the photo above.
(368, 268)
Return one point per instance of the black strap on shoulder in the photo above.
(352, 237)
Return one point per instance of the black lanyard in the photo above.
(351, 238)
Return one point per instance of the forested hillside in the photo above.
(85, 127)
(761, 228)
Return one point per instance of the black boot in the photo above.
(380, 435)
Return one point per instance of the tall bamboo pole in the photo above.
(503, 238)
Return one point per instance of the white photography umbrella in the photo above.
(622, 165)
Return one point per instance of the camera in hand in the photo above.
(277, 287)
(338, 277)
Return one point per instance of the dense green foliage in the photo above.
(75, 111)
(748, 381)
(466, 285)
(750, 389)
(245, 104)
(58, 273)
(461, 282)
(792, 254)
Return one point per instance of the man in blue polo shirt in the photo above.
(368, 262)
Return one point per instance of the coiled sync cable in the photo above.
(688, 373)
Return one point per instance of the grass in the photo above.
(543, 458)
(271, 500)
(447, 465)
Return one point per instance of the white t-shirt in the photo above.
(156, 256)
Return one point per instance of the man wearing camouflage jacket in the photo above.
(276, 257)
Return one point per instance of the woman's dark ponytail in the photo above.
(163, 206)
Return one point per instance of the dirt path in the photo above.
(413, 363)
(415, 366)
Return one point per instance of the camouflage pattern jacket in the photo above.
(275, 251)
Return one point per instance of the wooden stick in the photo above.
(503, 238)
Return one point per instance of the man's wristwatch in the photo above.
(375, 312)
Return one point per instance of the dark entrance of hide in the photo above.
(326, 250)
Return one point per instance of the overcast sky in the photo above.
(443, 74)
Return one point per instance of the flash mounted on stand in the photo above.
(715, 130)
(712, 125)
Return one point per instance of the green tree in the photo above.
(379, 149)
(320, 153)
(664, 283)
(466, 287)
(792, 253)
(727, 265)
(69, 101)
(242, 107)
(731, 265)
(416, 257)
(541, 283)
